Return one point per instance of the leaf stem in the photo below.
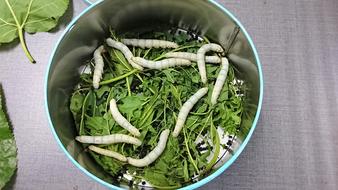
(20, 32)
(216, 141)
(83, 110)
(195, 113)
(13, 14)
(146, 53)
(8, 23)
(126, 65)
(189, 154)
(177, 49)
(109, 98)
(24, 47)
(128, 86)
(119, 77)
(205, 124)
(139, 77)
(27, 14)
(109, 63)
(81, 89)
(165, 113)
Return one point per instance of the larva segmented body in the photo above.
(201, 58)
(154, 154)
(109, 139)
(163, 64)
(123, 122)
(125, 50)
(220, 81)
(149, 43)
(187, 106)
(99, 64)
(108, 153)
(192, 57)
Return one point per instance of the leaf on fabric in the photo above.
(19, 16)
(8, 150)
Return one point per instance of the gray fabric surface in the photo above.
(295, 144)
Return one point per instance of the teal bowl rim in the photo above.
(88, 2)
(208, 178)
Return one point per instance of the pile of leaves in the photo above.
(151, 100)
(8, 149)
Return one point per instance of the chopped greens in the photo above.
(151, 100)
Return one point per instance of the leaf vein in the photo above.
(35, 21)
(44, 6)
(28, 12)
(5, 34)
(7, 23)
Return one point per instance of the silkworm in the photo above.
(201, 58)
(150, 43)
(109, 139)
(99, 64)
(125, 50)
(187, 106)
(154, 154)
(192, 57)
(163, 64)
(222, 75)
(123, 122)
(109, 153)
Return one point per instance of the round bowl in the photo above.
(91, 27)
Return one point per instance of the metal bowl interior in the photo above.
(90, 29)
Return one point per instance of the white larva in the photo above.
(192, 57)
(123, 122)
(108, 153)
(163, 64)
(187, 106)
(149, 43)
(154, 154)
(201, 58)
(222, 75)
(109, 139)
(99, 64)
(125, 50)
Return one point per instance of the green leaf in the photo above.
(169, 76)
(8, 150)
(76, 103)
(156, 178)
(131, 103)
(111, 165)
(98, 126)
(83, 111)
(101, 91)
(185, 170)
(216, 141)
(19, 16)
(117, 56)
